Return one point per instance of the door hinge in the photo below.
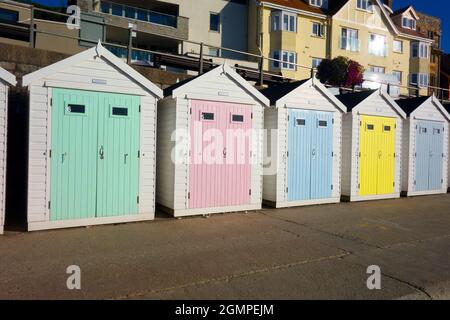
(393, 184)
(394, 154)
(332, 154)
(51, 102)
(442, 180)
(287, 154)
(137, 199)
(289, 118)
(49, 205)
(359, 185)
(50, 153)
(360, 123)
(332, 121)
(415, 154)
(189, 195)
(415, 182)
(359, 155)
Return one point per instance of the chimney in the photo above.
(389, 3)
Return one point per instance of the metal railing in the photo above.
(200, 61)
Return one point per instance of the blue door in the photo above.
(429, 155)
(310, 138)
(436, 156)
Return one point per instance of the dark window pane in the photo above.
(301, 122)
(142, 15)
(207, 116)
(9, 15)
(387, 128)
(76, 108)
(370, 127)
(117, 111)
(117, 10)
(323, 123)
(130, 12)
(214, 22)
(238, 118)
(105, 7)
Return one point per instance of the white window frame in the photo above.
(422, 50)
(409, 23)
(360, 4)
(320, 29)
(423, 79)
(316, 3)
(291, 57)
(354, 40)
(315, 62)
(398, 75)
(377, 69)
(280, 16)
(375, 51)
(401, 46)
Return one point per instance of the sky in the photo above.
(438, 8)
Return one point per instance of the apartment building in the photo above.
(431, 26)
(367, 31)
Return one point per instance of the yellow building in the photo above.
(367, 31)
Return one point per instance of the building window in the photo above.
(316, 62)
(419, 50)
(420, 79)
(430, 35)
(214, 52)
(349, 39)
(284, 21)
(398, 75)
(409, 23)
(318, 29)
(316, 3)
(105, 7)
(376, 69)
(214, 22)
(364, 5)
(398, 46)
(289, 60)
(117, 9)
(377, 45)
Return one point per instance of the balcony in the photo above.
(146, 19)
(349, 44)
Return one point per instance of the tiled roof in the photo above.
(333, 6)
(410, 32)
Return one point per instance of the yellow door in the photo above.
(368, 156)
(377, 151)
(386, 161)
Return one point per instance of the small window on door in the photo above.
(423, 130)
(207, 116)
(300, 122)
(237, 118)
(119, 111)
(387, 128)
(76, 109)
(370, 127)
(323, 123)
(437, 131)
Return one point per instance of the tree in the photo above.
(340, 72)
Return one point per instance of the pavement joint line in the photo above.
(414, 241)
(338, 235)
(231, 277)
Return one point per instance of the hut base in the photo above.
(288, 204)
(48, 225)
(370, 198)
(422, 193)
(206, 211)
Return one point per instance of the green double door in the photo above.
(94, 155)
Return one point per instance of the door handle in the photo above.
(314, 152)
(101, 153)
(225, 152)
(125, 158)
(380, 154)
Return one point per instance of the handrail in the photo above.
(260, 58)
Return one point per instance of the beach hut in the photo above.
(6, 80)
(92, 134)
(209, 156)
(372, 146)
(304, 132)
(425, 146)
(447, 108)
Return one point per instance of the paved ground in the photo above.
(300, 253)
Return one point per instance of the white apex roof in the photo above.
(8, 77)
(97, 51)
(226, 69)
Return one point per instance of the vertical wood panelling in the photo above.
(3, 148)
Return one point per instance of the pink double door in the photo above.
(220, 157)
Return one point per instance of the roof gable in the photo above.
(180, 89)
(279, 93)
(7, 77)
(97, 51)
(411, 105)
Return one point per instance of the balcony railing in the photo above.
(139, 14)
(350, 44)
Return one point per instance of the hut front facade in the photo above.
(6, 80)
(210, 137)
(425, 146)
(92, 136)
(304, 144)
(372, 146)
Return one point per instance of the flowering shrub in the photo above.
(340, 72)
